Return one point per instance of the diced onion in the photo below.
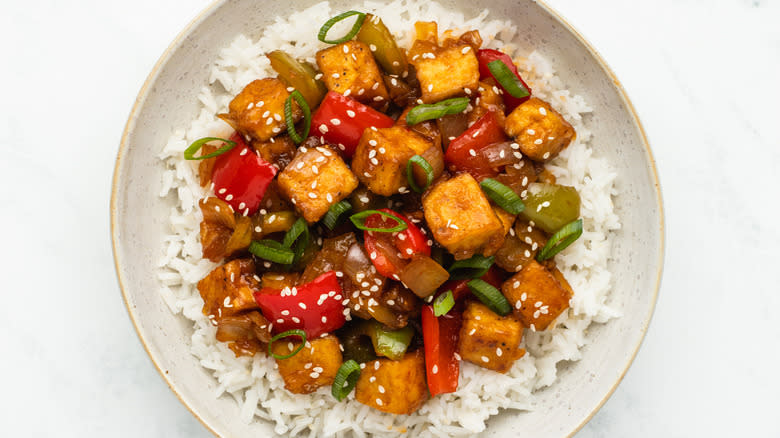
(423, 276)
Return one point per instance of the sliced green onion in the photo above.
(359, 219)
(346, 379)
(474, 267)
(294, 232)
(272, 251)
(288, 117)
(294, 332)
(560, 240)
(508, 80)
(189, 153)
(490, 296)
(335, 211)
(432, 111)
(502, 195)
(443, 303)
(425, 166)
(328, 24)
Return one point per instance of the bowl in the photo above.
(167, 100)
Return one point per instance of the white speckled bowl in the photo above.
(167, 100)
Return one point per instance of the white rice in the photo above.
(254, 382)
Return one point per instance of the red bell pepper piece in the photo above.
(383, 248)
(440, 337)
(485, 56)
(464, 153)
(341, 121)
(314, 307)
(241, 177)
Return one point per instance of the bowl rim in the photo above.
(214, 5)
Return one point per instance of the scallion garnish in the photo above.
(334, 213)
(474, 267)
(506, 77)
(328, 24)
(433, 111)
(272, 251)
(294, 332)
(189, 153)
(359, 219)
(502, 195)
(490, 296)
(288, 117)
(443, 303)
(560, 240)
(294, 232)
(346, 379)
(425, 166)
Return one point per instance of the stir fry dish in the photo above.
(386, 214)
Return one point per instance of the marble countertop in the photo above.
(73, 365)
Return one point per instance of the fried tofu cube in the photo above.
(258, 110)
(448, 73)
(507, 219)
(315, 366)
(350, 69)
(228, 289)
(395, 387)
(536, 295)
(488, 339)
(461, 218)
(316, 179)
(540, 131)
(381, 156)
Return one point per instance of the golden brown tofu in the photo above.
(488, 339)
(316, 179)
(448, 73)
(461, 218)
(227, 290)
(278, 151)
(395, 387)
(507, 219)
(540, 131)
(381, 156)
(315, 366)
(536, 295)
(258, 110)
(350, 69)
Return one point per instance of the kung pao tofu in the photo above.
(380, 220)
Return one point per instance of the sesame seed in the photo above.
(361, 91)
(312, 195)
(347, 93)
(379, 402)
(302, 305)
(222, 191)
(375, 86)
(372, 379)
(296, 319)
(546, 155)
(307, 366)
(372, 48)
(538, 304)
(280, 320)
(314, 375)
(329, 197)
(465, 50)
(345, 48)
(375, 162)
(542, 111)
(315, 169)
(376, 365)
(378, 99)
(472, 331)
(228, 197)
(539, 141)
(350, 113)
(518, 305)
(277, 117)
(527, 254)
(485, 359)
(323, 129)
(435, 369)
(336, 122)
(536, 314)
(381, 389)
(335, 75)
(472, 152)
(367, 175)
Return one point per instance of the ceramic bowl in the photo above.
(167, 100)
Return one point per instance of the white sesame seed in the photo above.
(375, 86)
(542, 111)
(539, 141)
(315, 169)
(376, 365)
(375, 162)
(323, 128)
(302, 305)
(472, 331)
(348, 92)
(372, 48)
(335, 75)
(485, 359)
(296, 319)
(465, 50)
(280, 320)
(336, 122)
(546, 155)
(435, 369)
(314, 375)
(351, 113)
(222, 191)
(518, 304)
(228, 197)
(312, 195)
(379, 402)
(378, 98)
(472, 152)
(277, 117)
(538, 304)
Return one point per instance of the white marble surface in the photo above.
(702, 74)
